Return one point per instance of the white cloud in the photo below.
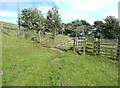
(91, 5)
(91, 20)
(72, 16)
(110, 14)
(44, 8)
(25, 0)
(7, 14)
(72, 8)
(41, 0)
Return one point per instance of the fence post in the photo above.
(98, 47)
(39, 36)
(84, 45)
(74, 44)
(118, 49)
(95, 46)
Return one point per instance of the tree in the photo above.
(32, 19)
(68, 28)
(54, 21)
(98, 26)
(77, 27)
(111, 28)
(73, 28)
(87, 28)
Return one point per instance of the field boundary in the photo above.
(95, 46)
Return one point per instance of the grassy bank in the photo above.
(26, 63)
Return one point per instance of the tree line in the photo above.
(33, 19)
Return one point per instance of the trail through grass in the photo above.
(26, 63)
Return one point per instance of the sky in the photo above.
(70, 10)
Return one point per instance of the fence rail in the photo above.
(106, 47)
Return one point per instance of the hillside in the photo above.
(26, 63)
(10, 25)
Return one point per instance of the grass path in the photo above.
(26, 63)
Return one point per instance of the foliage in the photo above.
(111, 28)
(98, 26)
(73, 28)
(87, 28)
(32, 19)
(78, 28)
(54, 21)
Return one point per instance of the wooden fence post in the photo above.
(98, 47)
(39, 36)
(95, 46)
(84, 45)
(118, 49)
(74, 40)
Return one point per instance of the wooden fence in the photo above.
(95, 46)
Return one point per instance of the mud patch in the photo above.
(1, 72)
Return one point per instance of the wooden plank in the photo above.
(108, 52)
(109, 44)
(109, 48)
(80, 40)
(89, 51)
(89, 48)
(90, 44)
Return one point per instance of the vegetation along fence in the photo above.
(95, 46)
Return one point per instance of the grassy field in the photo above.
(26, 63)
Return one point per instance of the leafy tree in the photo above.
(62, 30)
(87, 28)
(32, 19)
(73, 28)
(111, 28)
(68, 28)
(77, 27)
(54, 21)
(98, 26)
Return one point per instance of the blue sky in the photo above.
(89, 10)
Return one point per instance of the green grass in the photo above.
(26, 63)
(10, 25)
(0, 59)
